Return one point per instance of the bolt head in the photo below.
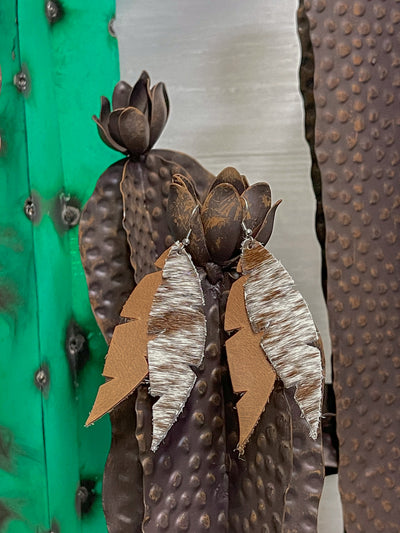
(30, 208)
(21, 81)
(41, 378)
(71, 215)
(85, 496)
(53, 11)
(82, 493)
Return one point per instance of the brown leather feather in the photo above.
(250, 371)
(126, 363)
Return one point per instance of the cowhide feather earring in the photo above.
(164, 337)
(177, 327)
(126, 362)
(281, 324)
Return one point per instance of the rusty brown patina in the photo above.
(137, 117)
(216, 226)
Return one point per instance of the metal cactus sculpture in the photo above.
(351, 87)
(214, 355)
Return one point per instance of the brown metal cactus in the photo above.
(196, 480)
(356, 90)
(109, 245)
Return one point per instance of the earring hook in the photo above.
(185, 241)
(248, 239)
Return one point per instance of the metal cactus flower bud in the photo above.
(137, 118)
(217, 226)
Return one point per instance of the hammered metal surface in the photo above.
(104, 250)
(138, 220)
(106, 259)
(122, 482)
(185, 484)
(305, 488)
(201, 176)
(357, 93)
(259, 479)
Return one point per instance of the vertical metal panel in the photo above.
(53, 273)
(357, 93)
(22, 459)
(50, 151)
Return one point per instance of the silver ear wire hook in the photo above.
(248, 239)
(185, 242)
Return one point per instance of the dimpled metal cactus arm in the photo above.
(360, 198)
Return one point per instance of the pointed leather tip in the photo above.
(91, 420)
(162, 259)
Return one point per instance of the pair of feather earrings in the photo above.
(273, 334)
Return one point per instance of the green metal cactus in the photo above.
(54, 61)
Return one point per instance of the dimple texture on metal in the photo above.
(307, 480)
(357, 94)
(201, 176)
(105, 252)
(122, 482)
(259, 479)
(185, 484)
(109, 275)
(137, 220)
(107, 260)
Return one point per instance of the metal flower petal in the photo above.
(232, 176)
(183, 216)
(120, 97)
(106, 137)
(159, 111)
(257, 203)
(104, 110)
(222, 215)
(140, 94)
(267, 226)
(125, 130)
(134, 130)
(113, 125)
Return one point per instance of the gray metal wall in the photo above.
(231, 70)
